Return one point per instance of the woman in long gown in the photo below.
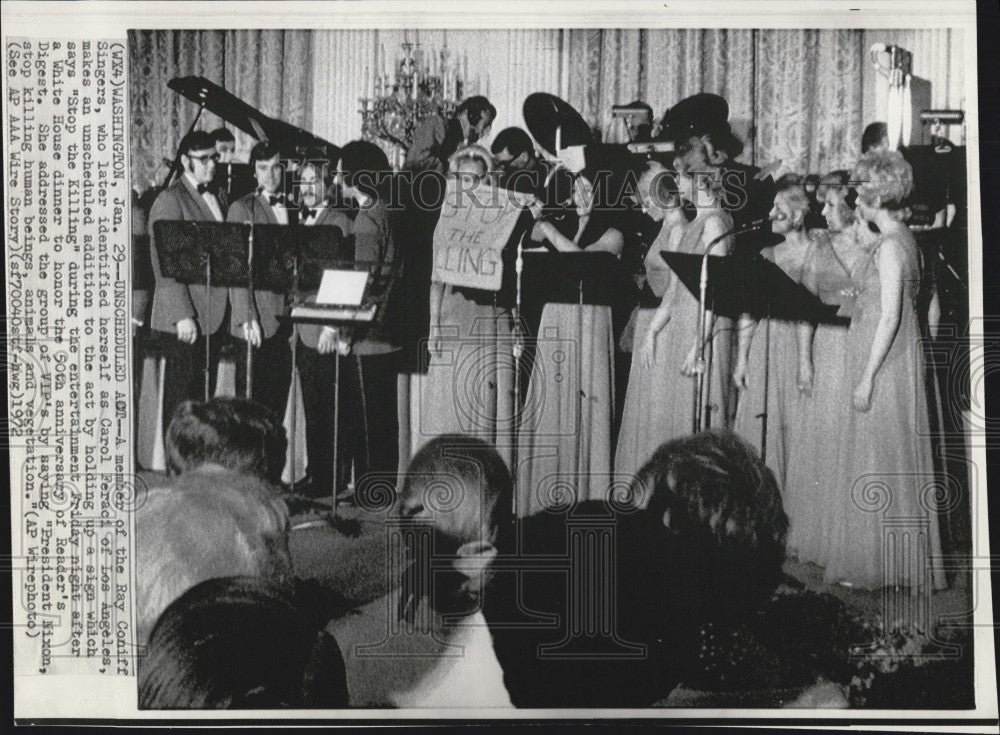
(812, 468)
(768, 372)
(564, 436)
(885, 527)
(645, 423)
(469, 384)
(668, 350)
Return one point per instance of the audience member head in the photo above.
(837, 197)
(210, 525)
(225, 144)
(199, 156)
(265, 158)
(235, 433)
(884, 182)
(875, 137)
(242, 643)
(461, 488)
(791, 205)
(475, 115)
(713, 528)
(362, 171)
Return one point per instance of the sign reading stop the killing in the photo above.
(476, 222)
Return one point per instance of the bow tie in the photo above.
(306, 213)
(274, 201)
(202, 188)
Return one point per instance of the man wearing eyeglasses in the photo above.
(179, 310)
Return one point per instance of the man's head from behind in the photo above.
(713, 529)
(460, 485)
(459, 489)
(206, 525)
(235, 433)
(242, 643)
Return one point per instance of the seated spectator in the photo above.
(221, 515)
(702, 546)
(243, 643)
(426, 643)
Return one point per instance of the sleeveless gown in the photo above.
(884, 530)
(811, 486)
(773, 360)
(659, 401)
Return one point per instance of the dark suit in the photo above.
(272, 361)
(173, 302)
(316, 375)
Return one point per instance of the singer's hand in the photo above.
(251, 332)
(806, 378)
(187, 331)
(862, 397)
(328, 339)
(690, 366)
(647, 351)
(740, 375)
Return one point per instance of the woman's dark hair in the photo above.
(714, 519)
(223, 135)
(243, 643)
(841, 179)
(237, 433)
(515, 140)
(263, 152)
(475, 107)
(366, 167)
(874, 135)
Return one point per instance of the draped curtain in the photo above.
(271, 70)
(801, 97)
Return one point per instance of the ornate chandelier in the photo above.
(424, 85)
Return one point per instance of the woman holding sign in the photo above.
(565, 434)
(469, 381)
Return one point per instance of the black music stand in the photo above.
(297, 261)
(754, 285)
(203, 254)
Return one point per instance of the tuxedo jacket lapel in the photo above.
(199, 201)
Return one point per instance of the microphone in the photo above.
(760, 223)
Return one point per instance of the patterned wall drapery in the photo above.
(271, 70)
(798, 96)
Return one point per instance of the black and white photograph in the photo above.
(535, 368)
(376, 363)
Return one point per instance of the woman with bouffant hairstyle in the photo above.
(886, 467)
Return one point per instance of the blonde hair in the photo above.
(885, 175)
(472, 154)
(795, 195)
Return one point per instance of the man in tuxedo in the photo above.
(182, 310)
(318, 344)
(258, 316)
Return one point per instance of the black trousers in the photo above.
(272, 371)
(184, 374)
(368, 436)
